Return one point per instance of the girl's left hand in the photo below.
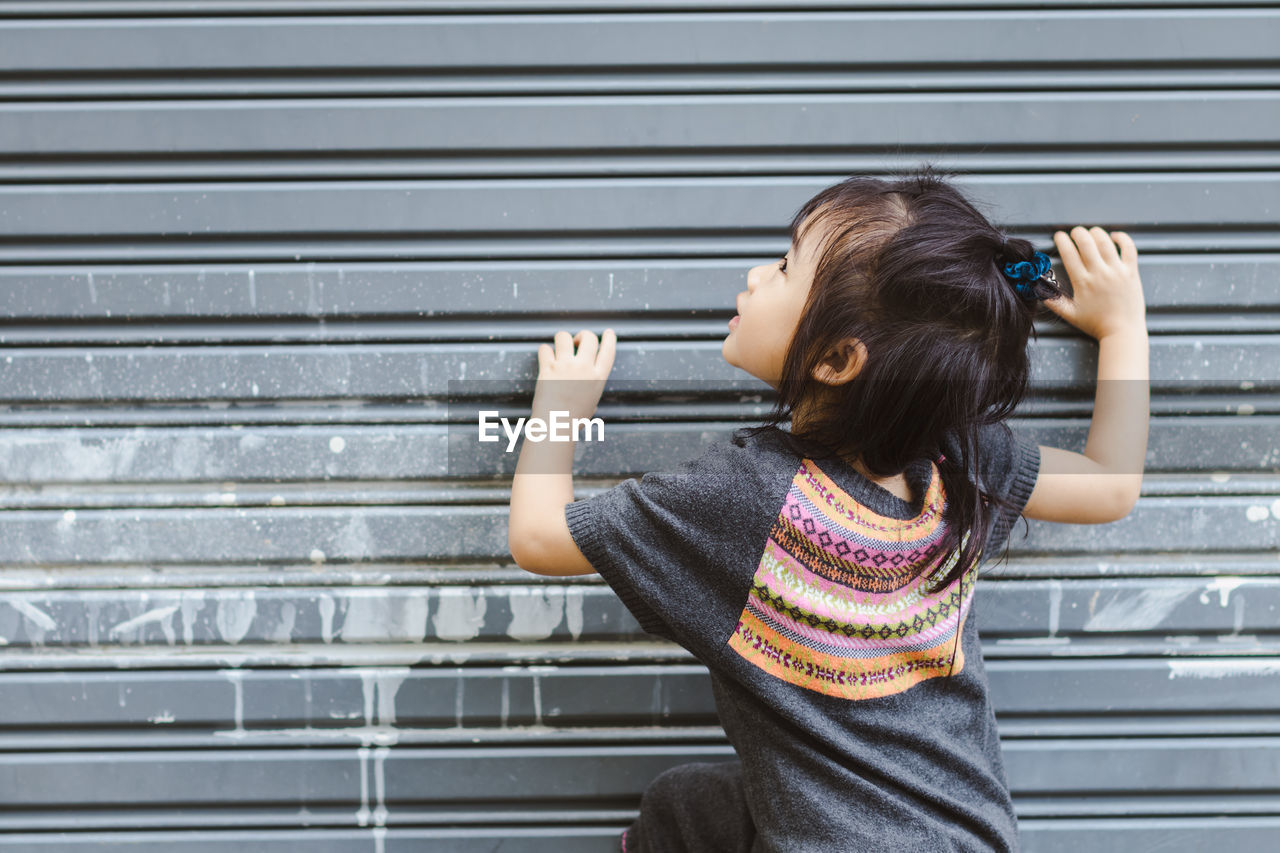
(584, 372)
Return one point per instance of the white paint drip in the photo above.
(573, 617)
(1220, 668)
(283, 632)
(459, 613)
(1223, 586)
(1055, 606)
(380, 786)
(535, 612)
(155, 615)
(376, 614)
(1130, 612)
(362, 813)
(190, 603)
(325, 604)
(235, 613)
(459, 697)
(42, 620)
(236, 677)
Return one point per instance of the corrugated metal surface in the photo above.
(247, 249)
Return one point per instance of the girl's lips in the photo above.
(733, 324)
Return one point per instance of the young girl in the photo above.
(825, 575)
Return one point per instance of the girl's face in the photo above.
(769, 312)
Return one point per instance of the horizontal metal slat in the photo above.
(1103, 835)
(702, 39)
(191, 8)
(558, 838)
(456, 209)
(450, 292)
(1052, 835)
(580, 774)
(245, 466)
(596, 125)
(114, 708)
(274, 535)
(1231, 606)
(187, 249)
(472, 372)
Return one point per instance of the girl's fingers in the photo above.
(1128, 250)
(587, 345)
(1106, 248)
(564, 345)
(608, 346)
(1070, 257)
(545, 356)
(1087, 246)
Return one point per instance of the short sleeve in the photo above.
(1010, 465)
(679, 548)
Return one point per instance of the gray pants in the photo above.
(693, 808)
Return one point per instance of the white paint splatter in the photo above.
(1219, 668)
(535, 612)
(326, 606)
(573, 617)
(235, 613)
(459, 613)
(1245, 409)
(375, 614)
(316, 556)
(155, 615)
(337, 444)
(190, 602)
(236, 677)
(1127, 611)
(1223, 586)
(1055, 606)
(1257, 513)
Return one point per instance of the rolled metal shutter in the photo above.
(251, 601)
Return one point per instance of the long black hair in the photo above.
(912, 270)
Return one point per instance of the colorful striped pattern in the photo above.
(834, 606)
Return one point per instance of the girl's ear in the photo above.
(841, 363)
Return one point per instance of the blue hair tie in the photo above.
(1023, 274)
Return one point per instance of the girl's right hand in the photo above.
(1108, 293)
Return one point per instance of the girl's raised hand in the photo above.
(1108, 292)
(573, 381)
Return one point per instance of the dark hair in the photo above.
(912, 270)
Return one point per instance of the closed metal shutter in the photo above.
(245, 248)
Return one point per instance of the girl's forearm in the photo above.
(542, 483)
(1118, 432)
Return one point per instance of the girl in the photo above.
(825, 575)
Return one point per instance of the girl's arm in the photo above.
(1104, 482)
(537, 533)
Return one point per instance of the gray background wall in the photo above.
(246, 602)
